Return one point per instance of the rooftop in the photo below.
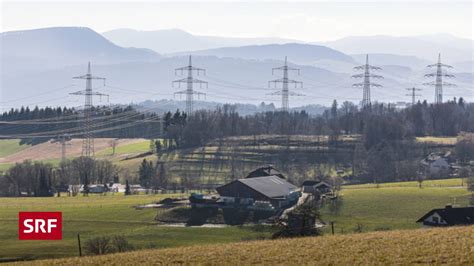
(453, 215)
(270, 186)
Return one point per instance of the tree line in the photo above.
(40, 179)
(376, 123)
(41, 124)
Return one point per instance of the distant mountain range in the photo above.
(175, 40)
(37, 66)
(427, 47)
(452, 49)
(296, 52)
(63, 46)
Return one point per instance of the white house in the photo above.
(448, 216)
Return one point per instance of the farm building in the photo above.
(313, 186)
(437, 164)
(272, 189)
(448, 216)
(265, 171)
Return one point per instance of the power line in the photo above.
(366, 84)
(88, 140)
(439, 83)
(189, 80)
(285, 93)
(150, 119)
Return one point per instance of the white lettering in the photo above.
(51, 224)
(26, 223)
(40, 223)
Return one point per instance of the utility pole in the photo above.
(88, 139)
(413, 94)
(439, 83)
(285, 92)
(63, 140)
(189, 80)
(366, 84)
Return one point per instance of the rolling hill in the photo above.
(38, 49)
(38, 66)
(306, 54)
(176, 40)
(452, 246)
(427, 47)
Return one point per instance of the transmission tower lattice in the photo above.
(189, 80)
(63, 140)
(285, 81)
(366, 84)
(413, 94)
(439, 83)
(88, 139)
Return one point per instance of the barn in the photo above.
(268, 170)
(273, 189)
(313, 186)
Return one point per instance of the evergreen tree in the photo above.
(128, 191)
(145, 173)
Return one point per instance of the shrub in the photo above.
(121, 244)
(98, 245)
(105, 245)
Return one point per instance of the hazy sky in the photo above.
(307, 21)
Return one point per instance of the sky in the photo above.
(306, 21)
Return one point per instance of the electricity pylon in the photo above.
(285, 92)
(439, 83)
(88, 139)
(63, 140)
(366, 84)
(189, 80)
(413, 94)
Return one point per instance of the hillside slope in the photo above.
(429, 246)
(296, 52)
(39, 49)
(176, 40)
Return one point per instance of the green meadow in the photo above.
(390, 206)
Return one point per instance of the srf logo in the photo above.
(40, 226)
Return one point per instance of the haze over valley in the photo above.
(38, 64)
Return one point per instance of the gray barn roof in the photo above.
(270, 186)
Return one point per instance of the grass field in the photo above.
(451, 182)
(10, 146)
(396, 206)
(388, 208)
(452, 246)
(139, 147)
(438, 140)
(7, 147)
(102, 215)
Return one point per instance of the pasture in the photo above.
(102, 215)
(391, 206)
(395, 206)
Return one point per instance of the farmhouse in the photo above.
(313, 186)
(271, 189)
(437, 164)
(268, 170)
(448, 216)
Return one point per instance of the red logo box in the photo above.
(40, 226)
